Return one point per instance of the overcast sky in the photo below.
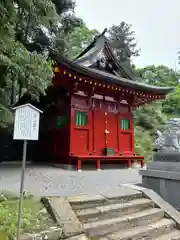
(156, 23)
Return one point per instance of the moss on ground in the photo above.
(34, 216)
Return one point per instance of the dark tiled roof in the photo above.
(111, 71)
(101, 46)
(110, 78)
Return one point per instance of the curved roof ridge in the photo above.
(91, 45)
(92, 53)
(101, 43)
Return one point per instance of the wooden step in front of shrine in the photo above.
(131, 212)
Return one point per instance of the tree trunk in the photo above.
(13, 95)
(20, 90)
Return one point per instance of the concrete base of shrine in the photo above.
(65, 167)
(72, 167)
(103, 167)
(163, 176)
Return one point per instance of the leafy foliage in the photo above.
(144, 143)
(29, 69)
(79, 39)
(34, 217)
(28, 31)
(160, 75)
(154, 116)
(150, 117)
(44, 25)
(164, 76)
(171, 106)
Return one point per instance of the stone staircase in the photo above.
(127, 216)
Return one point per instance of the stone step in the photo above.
(78, 237)
(90, 201)
(174, 235)
(86, 200)
(103, 227)
(153, 230)
(114, 210)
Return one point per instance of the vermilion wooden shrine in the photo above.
(92, 99)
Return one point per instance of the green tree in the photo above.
(171, 106)
(17, 64)
(144, 143)
(123, 41)
(160, 75)
(44, 25)
(148, 119)
(163, 76)
(28, 31)
(79, 39)
(28, 27)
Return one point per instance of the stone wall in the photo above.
(164, 178)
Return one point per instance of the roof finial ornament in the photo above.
(105, 30)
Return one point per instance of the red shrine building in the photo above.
(93, 99)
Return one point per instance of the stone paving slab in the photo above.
(116, 193)
(120, 192)
(50, 181)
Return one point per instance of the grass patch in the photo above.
(34, 216)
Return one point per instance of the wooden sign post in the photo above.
(26, 127)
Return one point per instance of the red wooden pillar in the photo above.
(98, 164)
(129, 163)
(54, 145)
(142, 163)
(133, 137)
(79, 165)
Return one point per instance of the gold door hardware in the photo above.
(106, 131)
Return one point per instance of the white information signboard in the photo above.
(26, 127)
(26, 124)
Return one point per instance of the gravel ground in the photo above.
(43, 181)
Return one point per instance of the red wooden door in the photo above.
(126, 134)
(80, 132)
(112, 131)
(98, 132)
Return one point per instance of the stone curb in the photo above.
(160, 174)
(62, 213)
(169, 210)
(53, 233)
(14, 163)
(79, 237)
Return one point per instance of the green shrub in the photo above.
(34, 217)
(144, 143)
